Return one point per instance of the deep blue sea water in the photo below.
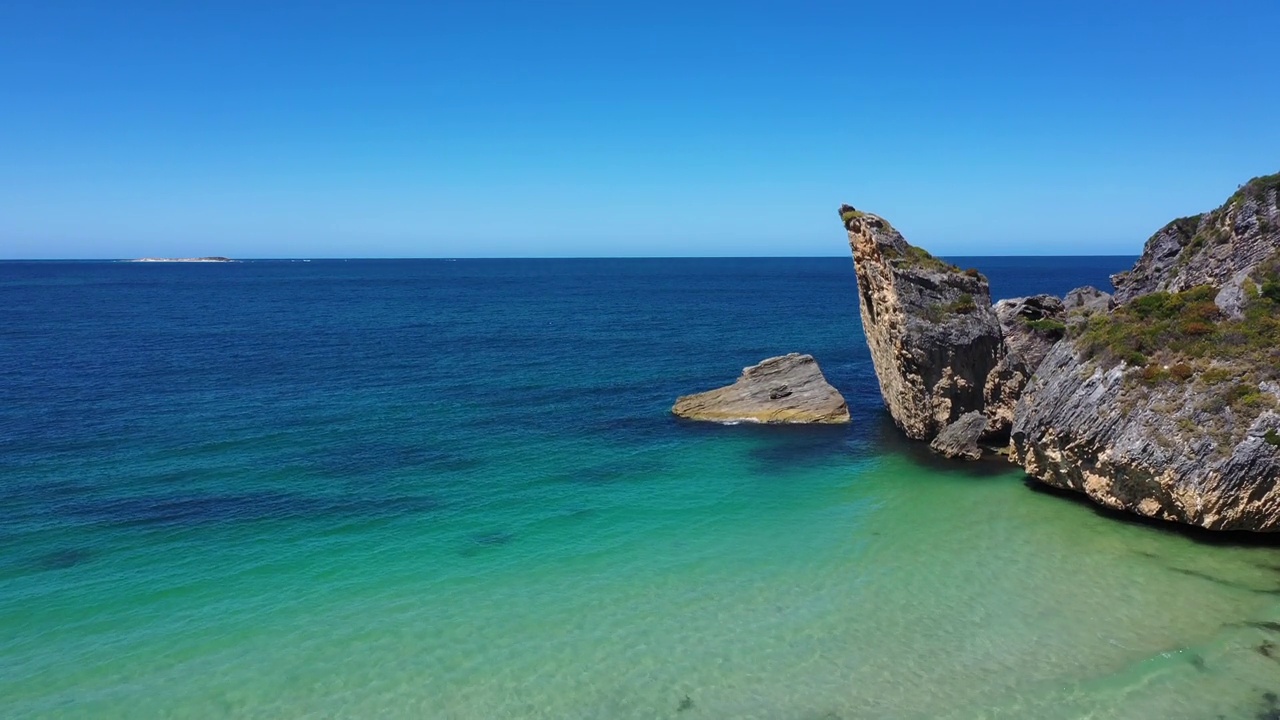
(429, 488)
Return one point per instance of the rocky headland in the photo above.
(1163, 400)
(786, 389)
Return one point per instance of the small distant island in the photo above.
(194, 259)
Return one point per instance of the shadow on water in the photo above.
(63, 559)
(233, 508)
(480, 542)
(613, 472)
(1224, 538)
(888, 438)
(370, 458)
(782, 447)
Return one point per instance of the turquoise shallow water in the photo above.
(425, 489)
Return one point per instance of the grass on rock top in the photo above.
(1174, 336)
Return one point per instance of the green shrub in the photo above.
(1272, 438)
(920, 258)
(1213, 376)
(1187, 325)
(963, 305)
(1153, 374)
(1048, 326)
(1270, 290)
(1246, 396)
(1196, 327)
(1135, 359)
(1256, 189)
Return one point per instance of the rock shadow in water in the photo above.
(480, 542)
(1224, 538)
(613, 472)
(890, 439)
(63, 559)
(370, 459)
(232, 508)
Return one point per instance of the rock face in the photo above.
(1167, 452)
(930, 328)
(1030, 327)
(786, 389)
(1214, 248)
(1085, 301)
(960, 438)
(1168, 405)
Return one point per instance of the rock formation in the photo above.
(1168, 405)
(1216, 248)
(1085, 301)
(1029, 326)
(786, 389)
(930, 328)
(1162, 401)
(960, 438)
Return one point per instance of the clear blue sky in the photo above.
(439, 128)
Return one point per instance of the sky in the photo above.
(517, 129)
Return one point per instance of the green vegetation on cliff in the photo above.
(1187, 327)
(1197, 232)
(1256, 189)
(916, 257)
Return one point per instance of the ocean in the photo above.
(453, 489)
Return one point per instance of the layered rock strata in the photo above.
(786, 389)
(1029, 328)
(930, 328)
(1215, 248)
(1168, 405)
(959, 440)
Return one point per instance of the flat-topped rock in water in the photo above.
(786, 389)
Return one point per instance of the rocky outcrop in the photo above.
(1085, 301)
(960, 439)
(1214, 248)
(933, 336)
(1175, 450)
(1168, 404)
(786, 389)
(1029, 327)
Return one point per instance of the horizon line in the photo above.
(543, 257)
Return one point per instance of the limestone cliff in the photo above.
(1216, 248)
(1168, 405)
(1029, 327)
(786, 389)
(930, 328)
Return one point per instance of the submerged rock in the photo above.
(930, 328)
(960, 438)
(786, 389)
